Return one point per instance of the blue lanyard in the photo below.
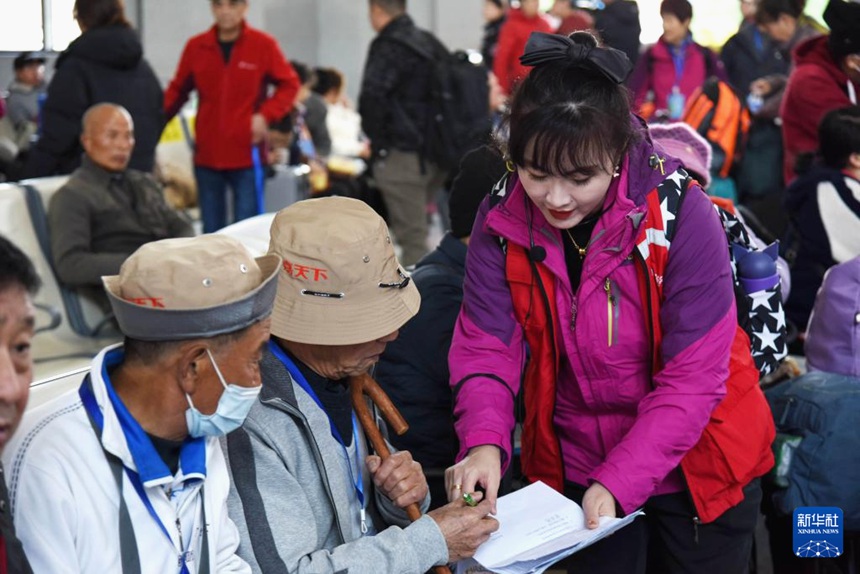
(679, 58)
(88, 398)
(259, 178)
(759, 41)
(356, 478)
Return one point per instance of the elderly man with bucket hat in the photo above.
(126, 474)
(308, 495)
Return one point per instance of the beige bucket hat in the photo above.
(340, 282)
(188, 288)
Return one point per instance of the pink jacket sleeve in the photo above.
(487, 353)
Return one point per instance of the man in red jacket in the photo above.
(231, 66)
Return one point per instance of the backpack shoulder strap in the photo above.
(736, 230)
(500, 190)
(419, 41)
(497, 194)
(662, 206)
(649, 60)
(653, 242)
(710, 67)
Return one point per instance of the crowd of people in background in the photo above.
(104, 64)
(539, 283)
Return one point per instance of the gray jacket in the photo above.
(293, 500)
(22, 103)
(97, 219)
(315, 118)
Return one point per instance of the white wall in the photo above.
(167, 24)
(318, 32)
(459, 23)
(345, 35)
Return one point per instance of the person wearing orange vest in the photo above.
(600, 271)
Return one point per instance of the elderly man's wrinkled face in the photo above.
(16, 363)
(336, 362)
(108, 138)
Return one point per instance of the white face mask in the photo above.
(233, 407)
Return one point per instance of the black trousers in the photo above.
(668, 541)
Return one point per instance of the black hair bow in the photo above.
(542, 48)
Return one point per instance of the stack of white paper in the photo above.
(537, 527)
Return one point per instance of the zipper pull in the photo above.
(181, 541)
(182, 559)
(573, 313)
(656, 161)
(610, 305)
(696, 523)
(607, 286)
(363, 515)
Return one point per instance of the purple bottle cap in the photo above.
(751, 285)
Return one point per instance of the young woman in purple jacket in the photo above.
(554, 298)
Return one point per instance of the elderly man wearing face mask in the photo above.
(125, 473)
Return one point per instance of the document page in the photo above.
(537, 527)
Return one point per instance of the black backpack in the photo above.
(458, 118)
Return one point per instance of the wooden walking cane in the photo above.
(364, 384)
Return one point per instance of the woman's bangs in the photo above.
(563, 148)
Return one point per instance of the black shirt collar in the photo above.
(99, 175)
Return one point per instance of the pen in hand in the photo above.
(469, 499)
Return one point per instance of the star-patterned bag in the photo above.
(760, 314)
(735, 446)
